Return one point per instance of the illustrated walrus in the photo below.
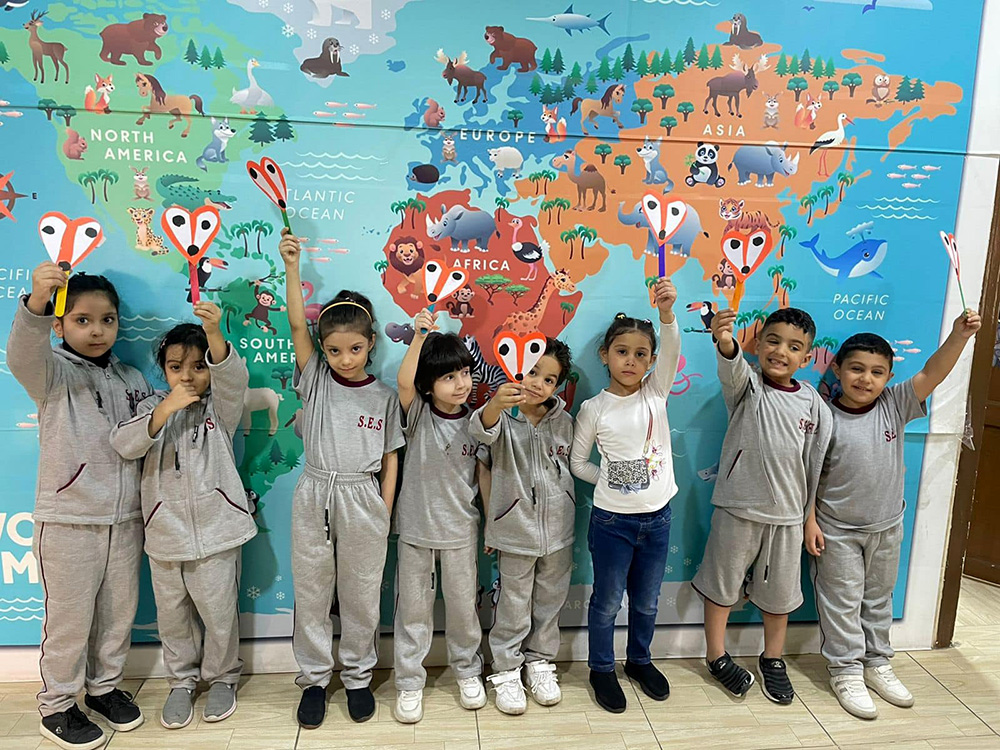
(327, 63)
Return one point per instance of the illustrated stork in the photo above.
(830, 139)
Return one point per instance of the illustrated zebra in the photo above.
(492, 375)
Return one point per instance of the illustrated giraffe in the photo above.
(529, 320)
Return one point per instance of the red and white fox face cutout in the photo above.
(269, 178)
(663, 217)
(441, 282)
(746, 251)
(951, 247)
(518, 354)
(191, 232)
(69, 241)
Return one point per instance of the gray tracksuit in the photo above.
(340, 524)
(88, 528)
(437, 520)
(859, 509)
(196, 520)
(531, 523)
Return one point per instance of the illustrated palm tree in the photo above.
(587, 234)
(399, 207)
(567, 236)
(807, 202)
(787, 232)
(787, 285)
(501, 203)
(547, 206)
(88, 179)
(759, 316)
(651, 281)
(535, 177)
(846, 179)
(547, 176)
(262, 228)
(742, 320)
(561, 205)
(381, 266)
(108, 178)
(243, 230)
(567, 308)
(416, 206)
(228, 308)
(775, 272)
(824, 194)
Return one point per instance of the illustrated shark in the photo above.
(570, 21)
(860, 260)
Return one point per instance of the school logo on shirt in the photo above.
(469, 449)
(890, 435)
(209, 424)
(558, 450)
(134, 397)
(370, 423)
(807, 426)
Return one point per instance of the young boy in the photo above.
(856, 528)
(772, 456)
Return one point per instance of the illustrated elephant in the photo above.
(682, 240)
(765, 162)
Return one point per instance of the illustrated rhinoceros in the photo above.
(765, 162)
(681, 241)
(462, 225)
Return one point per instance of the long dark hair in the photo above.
(187, 335)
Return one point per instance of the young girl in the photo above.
(437, 518)
(630, 522)
(88, 524)
(342, 503)
(195, 512)
(531, 524)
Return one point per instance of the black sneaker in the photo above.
(774, 680)
(652, 681)
(72, 730)
(607, 691)
(312, 707)
(117, 708)
(360, 704)
(733, 677)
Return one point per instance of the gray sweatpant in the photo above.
(416, 590)
(197, 613)
(854, 579)
(340, 530)
(90, 580)
(533, 591)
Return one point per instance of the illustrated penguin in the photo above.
(327, 63)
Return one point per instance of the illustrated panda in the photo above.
(705, 169)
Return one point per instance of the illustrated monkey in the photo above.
(261, 314)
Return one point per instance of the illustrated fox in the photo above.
(555, 130)
(99, 100)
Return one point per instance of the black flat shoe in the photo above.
(607, 691)
(360, 704)
(650, 679)
(312, 707)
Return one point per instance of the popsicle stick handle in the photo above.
(61, 299)
(195, 291)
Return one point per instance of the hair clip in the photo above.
(647, 321)
(621, 316)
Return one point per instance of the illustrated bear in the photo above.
(135, 38)
(512, 49)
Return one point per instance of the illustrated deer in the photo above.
(40, 49)
(733, 84)
(457, 70)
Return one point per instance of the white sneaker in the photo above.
(510, 692)
(884, 682)
(853, 696)
(409, 706)
(542, 682)
(472, 694)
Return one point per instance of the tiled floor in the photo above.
(957, 692)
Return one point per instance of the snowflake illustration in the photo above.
(288, 7)
(386, 15)
(373, 38)
(311, 33)
(288, 31)
(278, 579)
(354, 49)
(263, 3)
(253, 592)
(670, 568)
(673, 549)
(280, 595)
(671, 601)
(687, 560)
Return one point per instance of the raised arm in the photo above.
(302, 340)
(423, 324)
(734, 372)
(507, 396)
(943, 360)
(29, 348)
(584, 435)
(665, 370)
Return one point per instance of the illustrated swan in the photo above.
(252, 96)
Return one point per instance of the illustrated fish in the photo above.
(362, 105)
(341, 250)
(904, 342)
(321, 113)
(312, 249)
(918, 176)
(322, 259)
(895, 176)
(570, 22)
(27, 425)
(898, 359)
(709, 474)
(910, 185)
(4, 103)
(930, 168)
(335, 104)
(12, 113)
(906, 167)
(860, 260)
(911, 351)
(354, 115)
(329, 241)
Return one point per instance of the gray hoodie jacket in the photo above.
(193, 500)
(532, 502)
(81, 479)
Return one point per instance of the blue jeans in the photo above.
(629, 552)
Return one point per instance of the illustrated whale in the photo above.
(860, 260)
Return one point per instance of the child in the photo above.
(195, 510)
(630, 523)
(437, 518)
(856, 528)
(342, 503)
(88, 524)
(531, 523)
(772, 455)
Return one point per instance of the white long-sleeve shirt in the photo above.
(636, 474)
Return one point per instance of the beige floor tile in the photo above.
(338, 731)
(16, 697)
(26, 724)
(451, 724)
(24, 743)
(979, 603)
(178, 739)
(558, 742)
(262, 738)
(7, 721)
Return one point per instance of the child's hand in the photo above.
(289, 248)
(509, 395)
(210, 316)
(44, 281)
(664, 296)
(182, 396)
(488, 550)
(722, 327)
(967, 324)
(425, 322)
(813, 537)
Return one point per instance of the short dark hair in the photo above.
(187, 335)
(624, 324)
(793, 316)
(864, 342)
(560, 353)
(355, 314)
(85, 283)
(441, 353)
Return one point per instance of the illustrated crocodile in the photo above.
(176, 189)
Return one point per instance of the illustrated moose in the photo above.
(733, 84)
(457, 70)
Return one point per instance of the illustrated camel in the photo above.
(528, 321)
(586, 178)
(40, 50)
(177, 105)
(591, 109)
